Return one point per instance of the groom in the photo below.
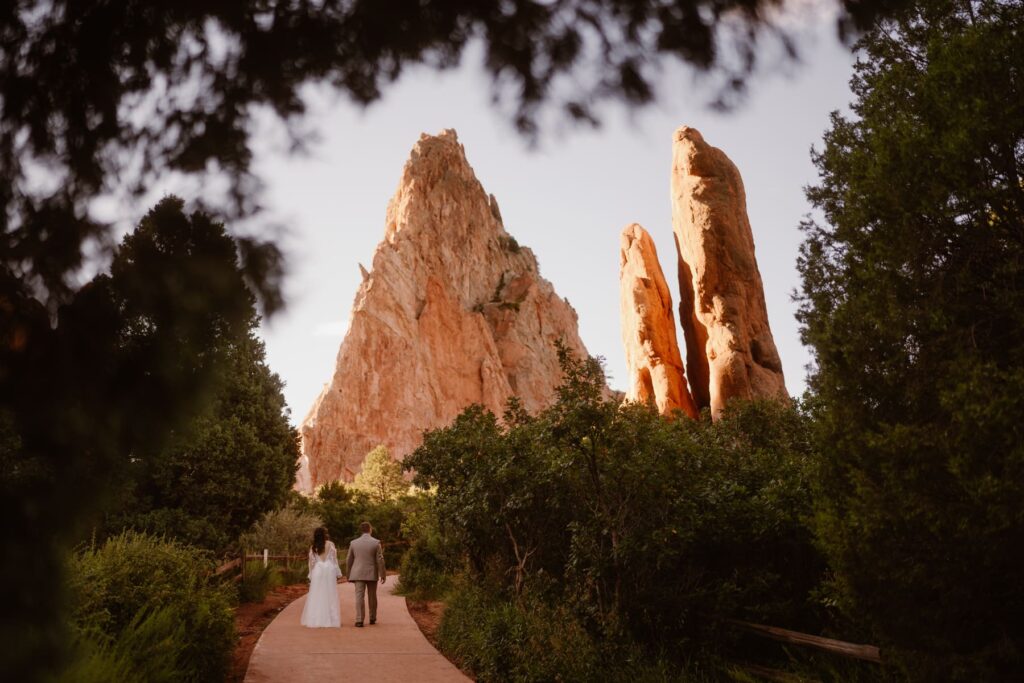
(365, 564)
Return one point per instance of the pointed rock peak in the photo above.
(453, 312)
(730, 352)
(434, 154)
(688, 133)
(649, 328)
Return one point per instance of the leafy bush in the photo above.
(651, 528)
(125, 589)
(288, 531)
(653, 531)
(501, 639)
(342, 508)
(296, 571)
(429, 560)
(498, 641)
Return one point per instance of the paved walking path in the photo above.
(392, 651)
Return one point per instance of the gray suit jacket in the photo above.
(365, 560)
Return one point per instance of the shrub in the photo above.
(499, 641)
(146, 651)
(656, 530)
(288, 531)
(258, 580)
(429, 559)
(133, 575)
(297, 571)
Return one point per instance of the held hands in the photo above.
(383, 579)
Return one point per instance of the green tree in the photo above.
(381, 476)
(235, 456)
(128, 362)
(341, 508)
(913, 304)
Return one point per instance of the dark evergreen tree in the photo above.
(233, 457)
(913, 304)
(227, 466)
(150, 372)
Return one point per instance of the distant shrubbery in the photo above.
(648, 531)
(147, 609)
(379, 495)
(380, 477)
(288, 531)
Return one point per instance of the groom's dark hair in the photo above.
(365, 527)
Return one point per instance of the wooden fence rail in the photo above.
(237, 565)
(239, 562)
(868, 653)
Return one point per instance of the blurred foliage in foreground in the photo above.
(148, 401)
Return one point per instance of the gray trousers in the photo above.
(361, 588)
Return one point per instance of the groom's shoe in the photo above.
(360, 624)
(373, 621)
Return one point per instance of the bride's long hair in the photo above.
(319, 540)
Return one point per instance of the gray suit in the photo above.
(364, 567)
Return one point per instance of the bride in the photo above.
(322, 608)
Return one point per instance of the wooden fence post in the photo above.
(265, 554)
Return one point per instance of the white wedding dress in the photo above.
(322, 609)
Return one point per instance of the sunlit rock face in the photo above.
(453, 312)
(649, 327)
(730, 352)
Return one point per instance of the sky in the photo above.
(567, 198)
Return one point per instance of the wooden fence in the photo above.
(869, 653)
(237, 565)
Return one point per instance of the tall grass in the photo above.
(147, 650)
(257, 581)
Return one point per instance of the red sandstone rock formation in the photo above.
(730, 352)
(453, 312)
(649, 328)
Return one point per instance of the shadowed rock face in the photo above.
(649, 328)
(730, 352)
(453, 312)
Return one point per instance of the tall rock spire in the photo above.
(453, 312)
(730, 352)
(649, 327)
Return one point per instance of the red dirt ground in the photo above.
(427, 615)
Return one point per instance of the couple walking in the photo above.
(364, 566)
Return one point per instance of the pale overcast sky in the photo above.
(567, 200)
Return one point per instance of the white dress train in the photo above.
(322, 608)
